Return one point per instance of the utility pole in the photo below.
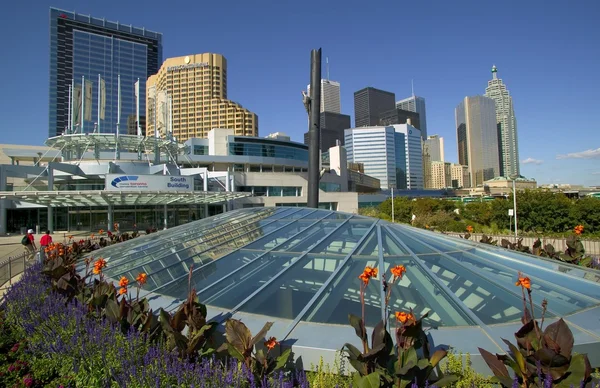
(314, 131)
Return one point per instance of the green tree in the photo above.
(479, 212)
(586, 211)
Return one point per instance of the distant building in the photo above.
(278, 136)
(369, 104)
(459, 176)
(434, 146)
(477, 136)
(196, 88)
(332, 129)
(400, 116)
(416, 104)
(85, 46)
(391, 154)
(506, 124)
(440, 177)
(330, 96)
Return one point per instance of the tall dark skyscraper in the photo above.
(100, 51)
(332, 127)
(400, 116)
(369, 104)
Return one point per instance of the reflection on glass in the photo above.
(414, 245)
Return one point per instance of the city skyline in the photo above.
(267, 79)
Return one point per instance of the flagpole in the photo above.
(82, 101)
(170, 100)
(393, 205)
(72, 123)
(69, 127)
(99, 87)
(118, 103)
(137, 107)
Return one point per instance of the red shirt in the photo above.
(45, 240)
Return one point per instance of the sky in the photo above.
(547, 54)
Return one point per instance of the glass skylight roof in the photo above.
(299, 267)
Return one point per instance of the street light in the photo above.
(514, 178)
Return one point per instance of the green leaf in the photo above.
(578, 371)
(437, 357)
(497, 366)
(357, 324)
(518, 357)
(261, 334)
(527, 337)
(372, 380)
(233, 352)
(560, 333)
(238, 335)
(165, 320)
(446, 380)
(112, 311)
(283, 359)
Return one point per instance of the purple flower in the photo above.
(27, 381)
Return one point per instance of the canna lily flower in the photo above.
(123, 290)
(524, 282)
(403, 317)
(470, 229)
(578, 229)
(70, 237)
(92, 235)
(270, 343)
(141, 279)
(398, 271)
(367, 274)
(124, 282)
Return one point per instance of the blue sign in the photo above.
(124, 178)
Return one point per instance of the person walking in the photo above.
(29, 242)
(45, 241)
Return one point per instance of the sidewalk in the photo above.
(11, 245)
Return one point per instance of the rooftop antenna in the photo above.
(327, 66)
(412, 85)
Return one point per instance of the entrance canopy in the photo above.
(117, 198)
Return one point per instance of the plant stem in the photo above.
(363, 328)
(537, 330)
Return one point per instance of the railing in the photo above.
(14, 266)
(592, 247)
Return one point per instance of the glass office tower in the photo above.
(99, 51)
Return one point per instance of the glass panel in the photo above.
(213, 271)
(291, 292)
(279, 237)
(344, 240)
(411, 242)
(552, 288)
(309, 237)
(492, 303)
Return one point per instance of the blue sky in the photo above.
(546, 52)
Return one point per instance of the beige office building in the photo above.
(460, 175)
(188, 96)
(441, 176)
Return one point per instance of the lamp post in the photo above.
(514, 179)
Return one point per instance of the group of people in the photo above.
(29, 242)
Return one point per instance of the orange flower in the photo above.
(367, 274)
(124, 282)
(270, 343)
(401, 316)
(70, 237)
(470, 229)
(398, 271)
(97, 271)
(100, 263)
(524, 282)
(578, 229)
(123, 290)
(92, 235)
(426, 226)
(141, 279)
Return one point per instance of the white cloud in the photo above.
(588, 154)
(532, 161)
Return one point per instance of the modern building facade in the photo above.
(507, 125)
(330, 96)
(88, 55)
(188, 97)
(400, 116)
(477, 137)
(441, 175)
(390, 153)
(332, 126)
(459, 176)
(434, 147)
(369, 104)
(415, 104)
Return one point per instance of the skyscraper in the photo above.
(507, 125)
(416, 104)
(390, 153)
(435, 147)
(332, 126)
(478, 138)
(100, 51)
(369, 104)
(330, 96)
(197, 87)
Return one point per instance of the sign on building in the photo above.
(119, 182)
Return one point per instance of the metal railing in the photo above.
(592, 247)
(14, 266)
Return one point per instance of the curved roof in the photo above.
(299, 267)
